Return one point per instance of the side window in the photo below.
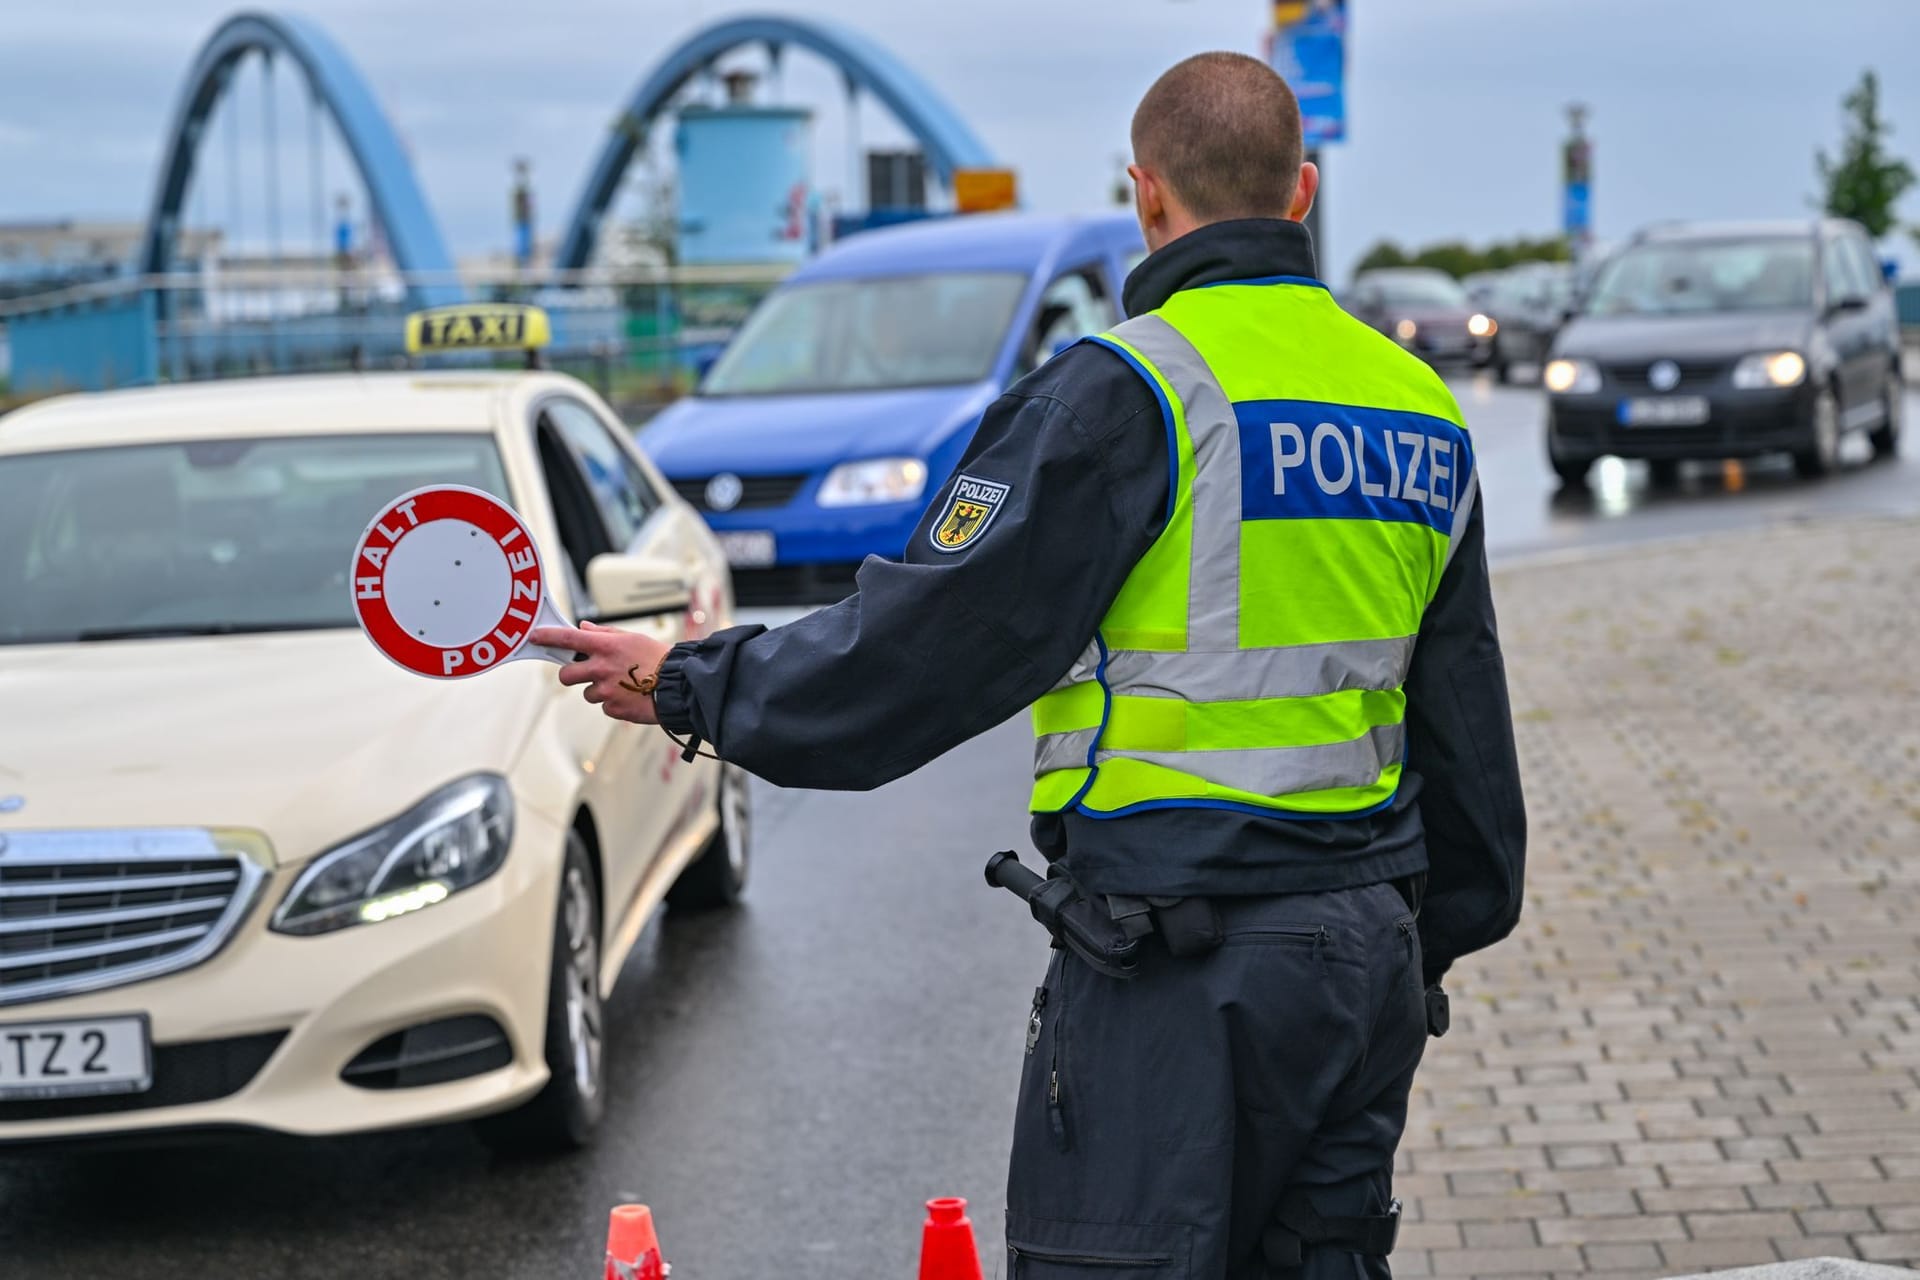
(1842, 272)
(1073, 306)
(1866, 262)
(620, 489)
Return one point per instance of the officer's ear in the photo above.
(1304, 193)
(1149, 202)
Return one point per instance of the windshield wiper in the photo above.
(162, 631)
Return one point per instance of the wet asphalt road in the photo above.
(790, 1081)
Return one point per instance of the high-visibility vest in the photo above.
(1255, 657)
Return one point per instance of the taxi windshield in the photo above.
(870, 334)
(210, 537)
(1703, 276)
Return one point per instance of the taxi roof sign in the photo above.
(478, 326)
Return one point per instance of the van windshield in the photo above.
(870, 334)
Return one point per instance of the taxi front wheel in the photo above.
(717, 876)
(563, 1115)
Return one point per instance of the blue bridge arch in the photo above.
(948, 142)
(411, 232)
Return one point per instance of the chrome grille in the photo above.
(85, 910)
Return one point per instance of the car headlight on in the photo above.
(1571, 377)
(452, 840)
(865, 484)
(1481, 326)
(1406, 331)
(1770, 369)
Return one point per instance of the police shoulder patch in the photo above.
(970, 508)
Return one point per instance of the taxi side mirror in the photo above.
(626, 587)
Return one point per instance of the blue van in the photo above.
(839, 409)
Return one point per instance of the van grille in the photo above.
(81, 911)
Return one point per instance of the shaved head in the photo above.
(1222, 130)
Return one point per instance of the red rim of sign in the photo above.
(391, 526)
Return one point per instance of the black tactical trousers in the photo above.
(1161, 1118)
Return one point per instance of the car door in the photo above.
(604, 502)
(1882, 315)
(1849, 325)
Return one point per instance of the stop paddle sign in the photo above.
(447, 582)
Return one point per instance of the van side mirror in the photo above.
(624, 587)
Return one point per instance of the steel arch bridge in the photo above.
(949, 143)
(412, 234)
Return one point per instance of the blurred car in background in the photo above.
(1528, 304)
(1480, 285)
(1424, 310)
(850, 393)
(1728, 340)
(252, 874)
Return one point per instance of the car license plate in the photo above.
(1664, 411)
(74, 1056)
(750, 549)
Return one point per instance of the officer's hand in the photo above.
(613, 662)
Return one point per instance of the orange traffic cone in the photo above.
(633, 1250)
(947, 1251)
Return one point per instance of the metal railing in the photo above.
(636, 333)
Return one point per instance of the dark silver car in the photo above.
(1727, 341)
(1528, 304)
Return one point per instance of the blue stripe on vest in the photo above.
(1303, 460)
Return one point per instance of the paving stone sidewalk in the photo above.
(1701, 1049)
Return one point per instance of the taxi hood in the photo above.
(310, 737)
(701, 435)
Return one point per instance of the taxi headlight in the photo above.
(1406, 331)
(1770, 369)
(864, 484)
(455, 838)
(1481, 326)
(1571, 377)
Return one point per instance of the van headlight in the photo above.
(1770, 369)
(1571, 377)
(452, 840)
(877, 480)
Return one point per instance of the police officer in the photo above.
(1231, 553)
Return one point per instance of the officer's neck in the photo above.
(1243, 249)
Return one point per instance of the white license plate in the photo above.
(74, 1056)
(750, 549)
(1665, 411)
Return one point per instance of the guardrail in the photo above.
(637, 333)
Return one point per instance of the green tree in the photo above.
(1864, 182)
(1384, 254)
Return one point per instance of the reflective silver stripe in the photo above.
(1083, 667)
(1462, 508)
(1213, 582)
(1285, 771)
(1293, 671)
(1063, 750)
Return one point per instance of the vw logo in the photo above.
(12, 804)
(724, 491)
(1664, 375)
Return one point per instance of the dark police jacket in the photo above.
(943, 646)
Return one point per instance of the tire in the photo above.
(1663, 473)
(1886, 436)
(564, 1115)
(1502, 371)
(717, 876)
(1572, 471)
(1821, 454)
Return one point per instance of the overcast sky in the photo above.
(1701, 108)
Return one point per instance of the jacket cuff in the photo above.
(670, 702)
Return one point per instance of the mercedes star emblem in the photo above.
(1664, 375)
(724, 491)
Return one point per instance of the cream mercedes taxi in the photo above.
(252, 874)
